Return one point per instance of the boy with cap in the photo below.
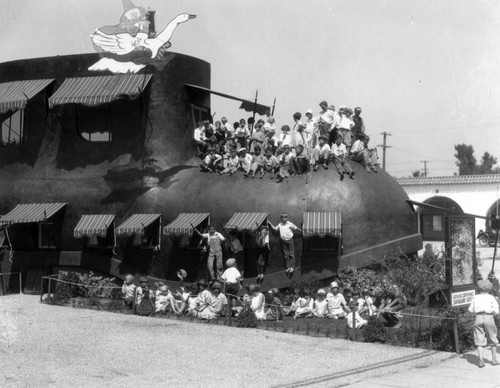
(337, 306)
(232, 278)
(340, 153)
(485, 306)
(286, 229)
(215, 305)
(321, 153)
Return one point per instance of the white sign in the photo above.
(462, 298)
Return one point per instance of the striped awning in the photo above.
(136, 223)
(32, 212)
(322, 223)
(249, 222)
(182, 224)
(99, 90)
(15, 95)
(93, 224)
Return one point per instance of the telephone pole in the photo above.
(384, 146)
(425, 166)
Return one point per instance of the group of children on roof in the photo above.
(220, 298)
(255, 148)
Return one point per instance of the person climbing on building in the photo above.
(285, 229)
(215, 242)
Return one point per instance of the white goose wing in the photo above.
(119, 44)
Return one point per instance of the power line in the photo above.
(384, 146)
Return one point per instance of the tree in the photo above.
(466, 160)
(416, 174)
(487, 163)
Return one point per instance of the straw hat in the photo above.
(334, 285)
(321, 292)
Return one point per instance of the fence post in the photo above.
(455, 336)
(353, 312)
(41, 288)
(48, 291)
(20, 282)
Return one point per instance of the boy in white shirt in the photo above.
(128, 290)
(286, 229)
(321, 153)
(215, 242)
(232, 163)
(339, 152)
(232, 281)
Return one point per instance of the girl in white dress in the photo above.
(258, 303)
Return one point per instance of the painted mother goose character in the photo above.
(127, 46)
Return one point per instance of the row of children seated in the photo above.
(256, 150)
(220, 298)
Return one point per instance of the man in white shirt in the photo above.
(215, 241)
(326, 120)
(200, 139)
(285, 229)
(337, 306)
(339, 152)
(321, 153)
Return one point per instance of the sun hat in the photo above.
(183, 273)
(309, 111)
(285, 128)
(322, 137)
(163, 288)
(349, 110)
(321, 292)
(230, 262)
(242, 149)
(202, 282)
(331, 107)
(323, 103)
(334, 285)
(485, 285)
(357, 109)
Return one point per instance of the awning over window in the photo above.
(322, 223)
(93, 224)
(99, 90)
(248, 222)
(32, 212)
(182, 224)
(15, 95)
(136, 223)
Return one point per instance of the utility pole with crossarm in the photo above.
(384, 146)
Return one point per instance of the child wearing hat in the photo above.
(245, 160)
(242, 133)
(485, 306)
(128, 290)
(345, 126)
(320, 306)
(305, 306)
(337, 306)
(257, 163)
(263, 249)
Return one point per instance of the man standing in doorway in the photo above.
(285, 229)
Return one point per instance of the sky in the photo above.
(427, 72)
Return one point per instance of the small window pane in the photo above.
(12, 129)
(437, 223)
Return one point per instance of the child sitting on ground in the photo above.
(144, 299)
(300, 160)
(320, 307)
(293, 306)
(275, 310)
(165, 301)
(305, 306)
(188, 300)
(369, 306)
(128, 291)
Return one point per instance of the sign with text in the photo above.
(462, 298)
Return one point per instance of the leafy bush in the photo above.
(96, 286)
(443, 335)
(64, 291)
(246, 318)
(374, 331)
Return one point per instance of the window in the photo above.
(94, 123)
(46, 235)
(12, 128)
(199, 113)
(327, 243)
(437, 223)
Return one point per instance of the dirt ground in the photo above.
(43, 345)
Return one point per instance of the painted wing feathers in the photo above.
(119, 44)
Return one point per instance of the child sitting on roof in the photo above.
(271, 141)
(300, 160)
(257, 162)
(285, 167)
(245, 160)
(270, 163)
(322, 153)
(285, 139)
(211, 161)
(339, 152)
(232, 163)
(128, 291)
